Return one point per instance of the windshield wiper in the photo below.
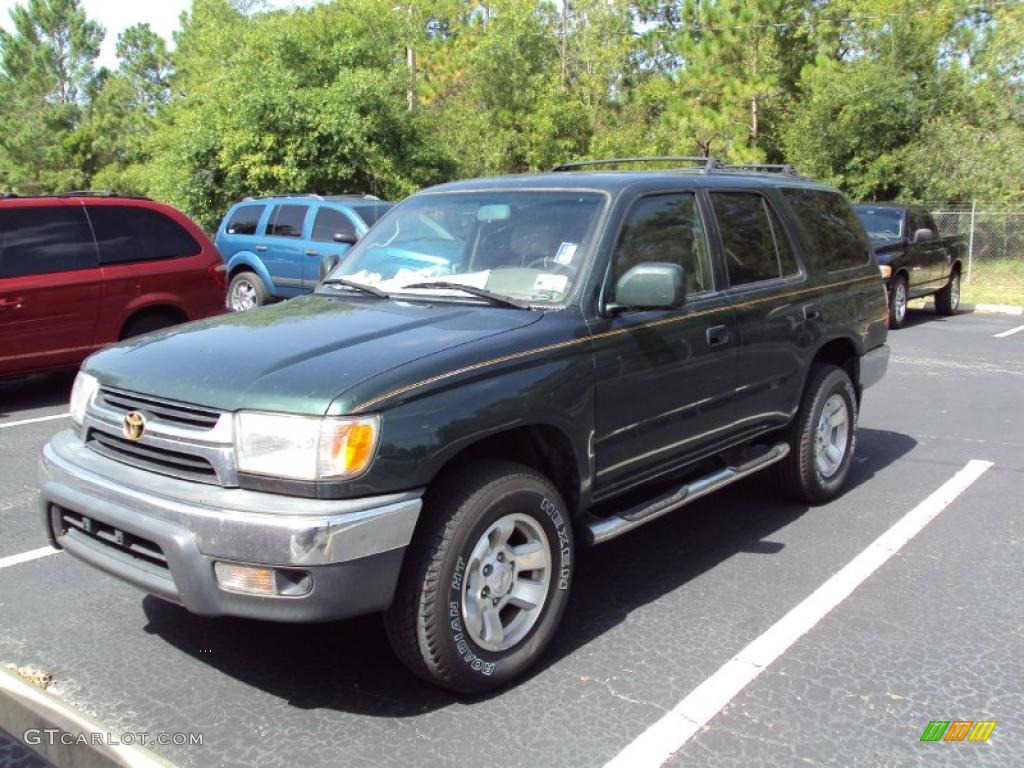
(481, 293)
(367, 289)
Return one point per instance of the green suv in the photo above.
(500, 371)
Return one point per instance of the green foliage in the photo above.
(884, 98)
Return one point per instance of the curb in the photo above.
(24, 707)
(985, 309)
(998, 309)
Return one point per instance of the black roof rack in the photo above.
(704, 163)
(98, 193)
(312, 196)
(760, 168)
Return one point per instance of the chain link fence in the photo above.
(994, 234)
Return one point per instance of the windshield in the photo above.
(882, 223)
(524, 245)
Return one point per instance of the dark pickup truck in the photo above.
(915, 259)
(499, 371)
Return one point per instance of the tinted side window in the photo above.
(245, 220)
(666, 228)
(127, 233)
(330, 222)
(756, 247)
(287, 220)
(370, 213)
(914, 221)
(34, 241)
(835, 232)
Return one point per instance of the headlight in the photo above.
(304, 448)
(885, 269)
(82, 393)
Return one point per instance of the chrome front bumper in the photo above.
(352, 548)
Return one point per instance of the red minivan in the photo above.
(81, 271)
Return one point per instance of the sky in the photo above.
(116, 15)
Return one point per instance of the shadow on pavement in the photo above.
(41, 391)
(348, 665)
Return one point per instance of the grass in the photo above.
(997, 282)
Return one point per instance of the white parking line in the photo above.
(33, 421)
(25, 557)
(666, 737)
(1010, 332)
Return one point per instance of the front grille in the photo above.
(143, 550)
(173, 413)
(186, 466)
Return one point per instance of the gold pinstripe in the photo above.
(596, 337)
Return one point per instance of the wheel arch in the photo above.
(841, 351)
(540, 446)
(158, 309)
(243, 261)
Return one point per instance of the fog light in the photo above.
(260, 580)
(246, 578)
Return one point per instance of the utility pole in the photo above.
(565, 42)
(410, 62)
(970, 242)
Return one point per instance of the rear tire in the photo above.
(898, 302)
(947, 301)
(246, 291)
(822, 438)
(461, 618)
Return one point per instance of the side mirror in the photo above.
(653, 285)
(923, 236)
(345, 238)
(327, 264)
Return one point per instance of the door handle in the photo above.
(812, 312)
(10, 303)
(311, 252)
(718, 335)
(261, 248)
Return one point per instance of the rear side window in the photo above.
(370, 213)
(128, 233)
(838, 239)
(35, 241)
(329, 223)
(756, 247)
(244, 220)
(287, 220)
(666, 228)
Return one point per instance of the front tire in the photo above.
(486, 580)
(246, 291)
(822, 438)
(898, 302)
(947, 301)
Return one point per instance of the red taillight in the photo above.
(219, 273)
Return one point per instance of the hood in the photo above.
(296, 356)
(883, 246)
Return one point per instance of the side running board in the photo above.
(600, 530)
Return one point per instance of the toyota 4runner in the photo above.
(498, 372)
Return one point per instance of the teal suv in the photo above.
(279, 247)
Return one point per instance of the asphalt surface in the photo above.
(934, 634)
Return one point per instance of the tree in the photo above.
(306, 100)
(46, 73)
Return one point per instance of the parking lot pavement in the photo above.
(933, 634)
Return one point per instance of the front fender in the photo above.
(541, 376)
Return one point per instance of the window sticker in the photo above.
(545, 282)
(566, 252)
